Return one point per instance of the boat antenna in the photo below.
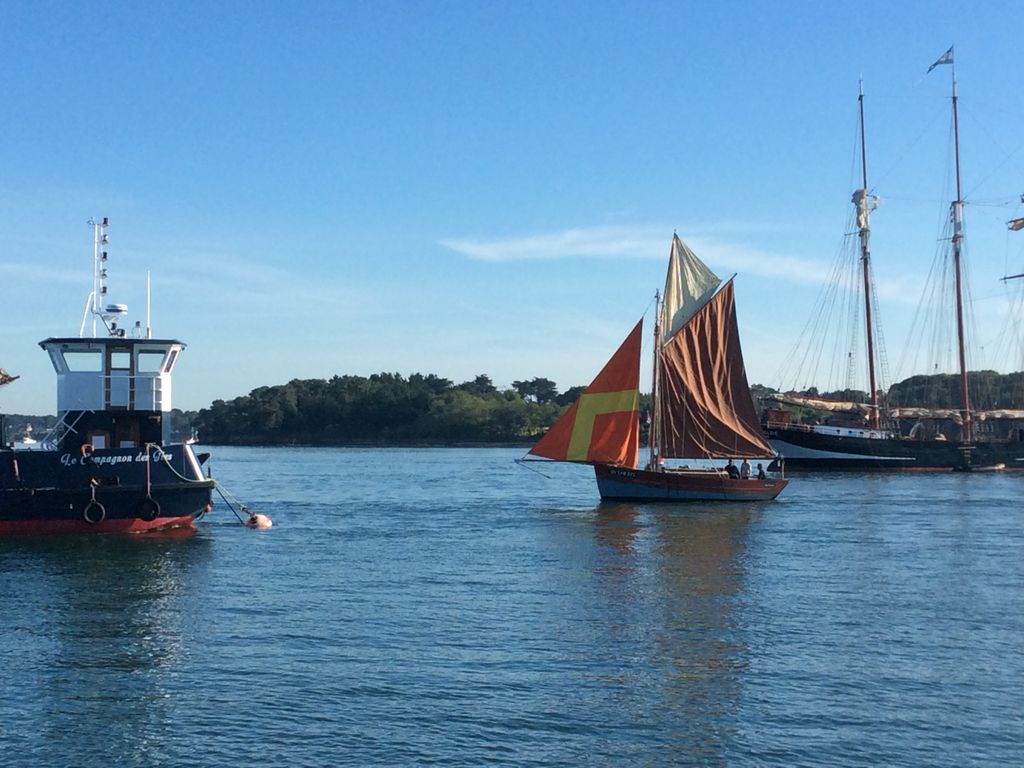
(99, 274)
(108, 314)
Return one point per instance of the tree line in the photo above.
(385, 408)
(989, 390)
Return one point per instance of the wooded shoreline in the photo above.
(427, 411)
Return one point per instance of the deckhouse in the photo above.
(112, 392)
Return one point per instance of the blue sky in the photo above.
(457, 188)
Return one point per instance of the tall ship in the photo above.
(109, 464)
(874, 434)
(701, 402)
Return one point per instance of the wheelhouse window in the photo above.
(150, 361)
(91, 360)
(120, 360)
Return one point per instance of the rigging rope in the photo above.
(526, 463)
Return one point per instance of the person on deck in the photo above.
(760, 473)
(745, 470)
(732, 471)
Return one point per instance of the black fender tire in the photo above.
(148, 509)
(94, 512)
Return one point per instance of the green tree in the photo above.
(481, 385)
(540, 390)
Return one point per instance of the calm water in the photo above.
(448, 607)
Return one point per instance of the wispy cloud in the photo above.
(649, 242)
(640, 242)
(602, 242)
(738, 257)
(741, 258)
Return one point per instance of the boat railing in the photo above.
(142, 392)
(832, 430)
(770, 424)
(59, 430)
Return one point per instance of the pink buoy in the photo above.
(260, 522)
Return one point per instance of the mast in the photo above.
(957, 217)
(958, 236)
(654, 434)
(94, 303)
(864, 211)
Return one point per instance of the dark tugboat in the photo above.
(109, 464)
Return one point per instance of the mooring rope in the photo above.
(232, 502)
(224, 494)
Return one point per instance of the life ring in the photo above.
(87, 451)
(94, 512)
(148, 509)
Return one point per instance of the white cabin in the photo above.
(115, 389)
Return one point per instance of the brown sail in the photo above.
(706, 409)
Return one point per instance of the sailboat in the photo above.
(702, 408)
(870, 436)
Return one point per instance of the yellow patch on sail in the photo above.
(589, 407)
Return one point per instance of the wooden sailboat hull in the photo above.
(624, 484)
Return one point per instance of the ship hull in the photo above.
(624, 484)
(112, 491)
(808, 450)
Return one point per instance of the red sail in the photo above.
(603, 426)
(706, 409)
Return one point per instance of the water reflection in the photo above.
(616, 526)
(687, 653)
(104, 621)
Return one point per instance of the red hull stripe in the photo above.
(128, 525)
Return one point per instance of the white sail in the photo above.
(818, 403)
(955, 415)
(688, 286)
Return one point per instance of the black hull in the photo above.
(124, 490)
(807, 450)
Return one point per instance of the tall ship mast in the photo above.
(864, 203)
(878, 436)
(957, 213)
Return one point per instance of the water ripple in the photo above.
(446, 607)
